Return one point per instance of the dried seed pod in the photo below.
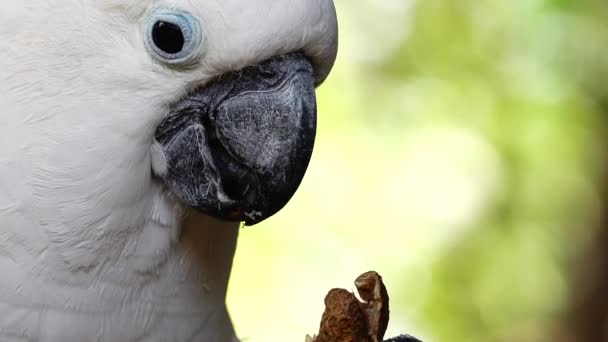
(343, 320)
(346, 319)
(372, 290)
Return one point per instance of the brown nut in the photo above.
(372, 290)
(343, 320)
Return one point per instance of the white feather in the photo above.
(88, 239)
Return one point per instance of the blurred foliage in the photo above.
(459, 154)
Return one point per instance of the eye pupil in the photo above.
(168, 37)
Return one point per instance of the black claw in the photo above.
(403, 338)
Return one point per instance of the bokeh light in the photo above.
(459, 155)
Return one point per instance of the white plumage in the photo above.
(91, 246)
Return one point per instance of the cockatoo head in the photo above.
(114, 114)
(215, 99)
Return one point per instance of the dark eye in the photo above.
(168, 37)
(174, 37)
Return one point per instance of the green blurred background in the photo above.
(460, 154)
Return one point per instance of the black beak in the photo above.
(237, 148)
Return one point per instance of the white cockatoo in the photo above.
(135, 136)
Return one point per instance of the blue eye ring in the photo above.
(182, 51)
